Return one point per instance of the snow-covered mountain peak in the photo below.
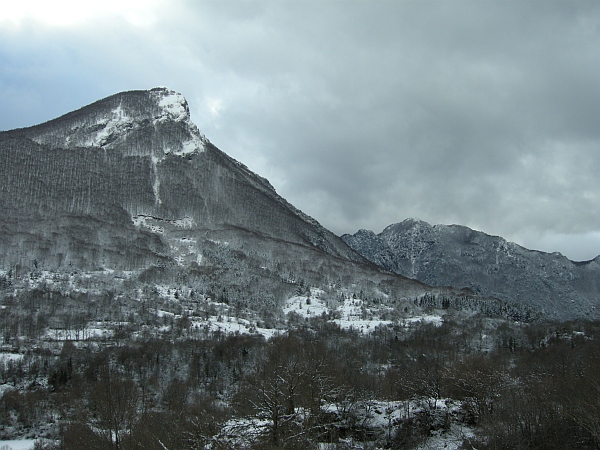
(415, 222)
(364, 232)
(173, 104)
(405, 225)
(136, 121)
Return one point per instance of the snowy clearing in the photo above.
(23, 444)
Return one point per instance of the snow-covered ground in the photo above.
(172, 303)
(240, 432)
(23, 444)
(355, 316)
(233, 325)
(305, 306)
(6, 357)
(364, 326)
(93, 330)
(352, 313)
(426, 318)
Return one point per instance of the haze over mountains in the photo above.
(129, 183)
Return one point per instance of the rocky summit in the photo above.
(453, 255)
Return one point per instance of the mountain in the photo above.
(129, 184)
(142, 267)
(454, 255)
(134, 162)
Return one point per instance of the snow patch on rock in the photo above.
(157, 224)
(175, 105)
(117, 123)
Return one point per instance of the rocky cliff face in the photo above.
(488, 265)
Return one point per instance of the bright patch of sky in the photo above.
(71, 12)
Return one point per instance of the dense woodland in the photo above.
(505, 384)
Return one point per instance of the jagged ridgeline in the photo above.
(442, 255)
(130, 183)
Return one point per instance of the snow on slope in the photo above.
(111, 121)
(21, 444)
(114, 124)
(306, 307)
(174, 104)
(174, 107)
(351, 313)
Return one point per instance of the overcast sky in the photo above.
(360, 113)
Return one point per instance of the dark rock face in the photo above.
(488, 265)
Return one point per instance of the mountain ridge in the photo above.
(93, 128)
(488, 265)
(128, 183)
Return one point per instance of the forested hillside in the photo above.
(471, 381)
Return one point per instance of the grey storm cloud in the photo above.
(360, 113)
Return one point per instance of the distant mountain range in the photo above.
(129, 186)
(129, 183)
(454, 255)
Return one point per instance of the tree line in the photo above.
(522, 386)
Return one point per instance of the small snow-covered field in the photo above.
(23, 444)
(6, 357)
(306, 306)
(232, 325)
(425, 318)
(351, 313)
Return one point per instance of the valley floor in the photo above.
(161, 367)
